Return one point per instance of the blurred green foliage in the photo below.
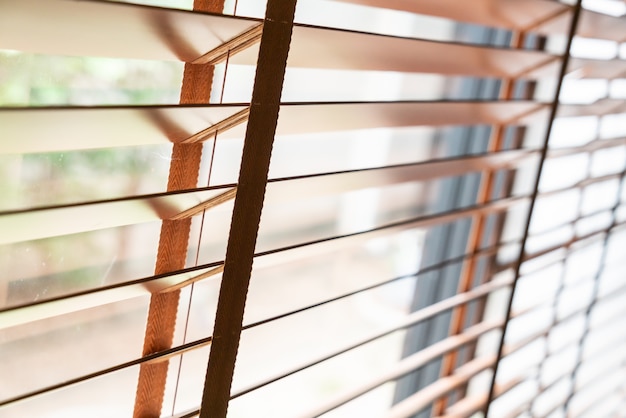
(31, 80)
(39, 268)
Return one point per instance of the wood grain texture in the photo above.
(173, 242)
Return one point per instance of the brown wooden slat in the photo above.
(31, 130)
(593, 68)
(584, 68)
(468, 406)
(300, 118)
(158, 284)
(314, 186)
(44, 223)
(305, 118)
(405, 366)
(74, 128)
(510, 14)
(161, 283)
(592, 146)
(407, 321)
(316, 47)
(154, 358)
(591, 25)
(420, 400)
(116, 30)
(34, 224)
(599, 108)
(462, 374)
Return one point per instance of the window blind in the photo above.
(323, 208)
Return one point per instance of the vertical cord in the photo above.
(544, 152)
(180, 364)
(208, 183)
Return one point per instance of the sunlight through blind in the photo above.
(398, 208)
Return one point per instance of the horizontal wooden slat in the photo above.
(592, 68)
(281, 190)
(406, 366)
(461, 376)
(424, 397)
(327, 117)
(35, 224)
(45, 223)
(575, 239)
(592, 146)
(57, 307)
(511, 14)
(151, 358)
(320, 247)
(12, 317)
(583, 68)
(316, 47)
(409, 320)
(287, 254)
(312, 248)
(469, 405)
(68, 305)
(30, 130)
(591, 25)
(116, 30)
(599, 108)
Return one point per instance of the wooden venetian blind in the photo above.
(315, 208)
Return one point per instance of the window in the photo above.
(384, 209)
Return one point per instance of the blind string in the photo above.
(208, 183)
